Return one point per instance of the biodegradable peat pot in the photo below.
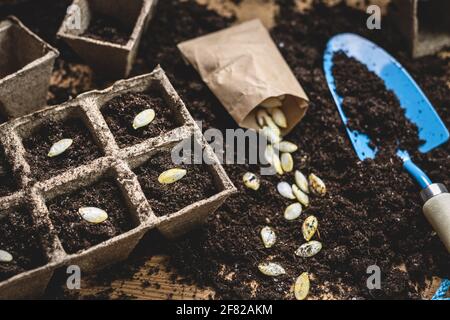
(116, 164)
(106, 57)
(424, 23)
(26, 64)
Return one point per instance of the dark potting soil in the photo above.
(120, 112)
(107, 28)
(197, 184)
(77, 234)
(371, 108)
(7, 181)
(38, 143)
(20, 238)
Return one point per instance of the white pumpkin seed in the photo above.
(276, 162)
(317, 185)
(272, 102)
(286, 146)
(285, 190)
(93, 214)
(261, 115)
(144, 118)
(278, 117)
(272, 125)
(271, 269)
(59, 147)
(268, 153)
(309, 227)
(251, 181)
(270, 135)
(171, 176)
(287, 162)
(309, 249)
(301, 181)
(268, 237)
(300, 195)
(301, 286)
(5, 256)
(293, 211)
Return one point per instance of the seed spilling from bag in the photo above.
(285, 190)
(93, 214)
(5, 256)
(301, 287)
(268, 154)
(270, 135)
(261, 115)
(309, 227)
(272, 125)
(143, 119)
(278, 117)
(276, 162)
(59, 147)
(251, 181)
(272, 102)
(171, 176)
(309, 249)
(286, 146)
(271, 269)
(287, 163)
(301, 181)
(293, 211)
(268, 237)
(300, 195)
(317, 185)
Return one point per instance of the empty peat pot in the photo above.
(107, 33)
(26, 64)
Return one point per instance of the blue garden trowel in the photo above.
(418, 110)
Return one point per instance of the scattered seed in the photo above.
(286, 146)
(301, 181)
(301, 287)
(309, 249)
(293, 211)
(59, 147)
(268, 237)
(285, 190)
(251, 181)
(171, 175)
(309, 227)
(278, 117)
(317, 185)
(300, 195)
(271, 269)
(276, 162)
(261, 115)
(93, 215)
(272, 102)
(287, 162)
(144, 118)
(270, 135)
(5, 256)
(268, 153)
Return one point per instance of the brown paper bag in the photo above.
(243, 67)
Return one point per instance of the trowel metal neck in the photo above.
(432, 190)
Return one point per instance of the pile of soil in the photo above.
(7, 182)
(38, 143)
(21, 239)
(108, 29)
(120, 112)
(198, 184)
(76, 233)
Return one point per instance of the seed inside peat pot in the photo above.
(106, 28)
(75, 232)
(120, 113)
(41, 139)
(21, 240)
(7, 181)
(197, 184)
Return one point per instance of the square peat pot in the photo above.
(107, 33)
(26, 64)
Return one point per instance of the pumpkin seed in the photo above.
(272, 102)
(276, 162)
(171, 175)
(301, 181)
(93, 214)
(272, 125)
(271, 269)
(317, 185)
(144, 118)
(300, 195)
(59, 147)
(285, 190)
(251, 181)
(309, 227)
(301, 286)
(270, 135)
(287, 162)
(278, 117)
(286, 146)
(268, 153)
(261, 115)
(309, 249)
(5, 256)
(293, 211)
(268, 237)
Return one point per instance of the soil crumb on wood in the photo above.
(37, 145)
(76, 233)
(105, 28)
